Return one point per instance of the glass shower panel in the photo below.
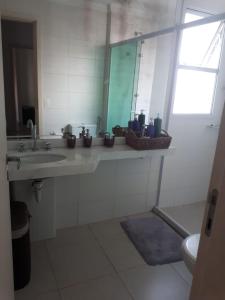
(124, 70)
(154, 76)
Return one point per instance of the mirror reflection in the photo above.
(55, 66)
(20, 76)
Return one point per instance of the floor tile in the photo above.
(108, 230)
(76, 264)
(42, 278)
(155, 283)
(19, 295)
(50, 296)
(122, 254)
(80, 235)
(183, 271)
(181, 214)
(107, 288)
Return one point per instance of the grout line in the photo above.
(52, 268)
(72, 284)
(108, 258)
(183, 277)
(124, 285)
(103, 250)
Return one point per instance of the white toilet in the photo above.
(190, 251)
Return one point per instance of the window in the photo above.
(198, 65)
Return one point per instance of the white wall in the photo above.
(73, 63)
(186, 175)
(6, 279)
(213, 7)
(143, 17)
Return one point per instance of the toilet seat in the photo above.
(190, 251)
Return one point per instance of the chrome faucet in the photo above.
(33, 129)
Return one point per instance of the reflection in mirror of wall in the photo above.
(20, 75)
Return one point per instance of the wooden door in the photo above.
(6, 278)
(209, 276)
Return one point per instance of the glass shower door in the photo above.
(123, 83)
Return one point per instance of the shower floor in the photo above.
(188, 216)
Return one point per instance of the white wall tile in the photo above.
(55, 82)
(42, 223)
(67, 193)
(131, 204)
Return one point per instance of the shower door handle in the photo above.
(213, 197)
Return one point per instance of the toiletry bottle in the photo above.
(151, 129)
(136, 124)
(141, 118)
(87, 139)
(82, 134)
(158, 126)
(130, 123)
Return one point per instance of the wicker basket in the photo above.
(146, 143)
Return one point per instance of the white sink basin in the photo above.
(42, 158)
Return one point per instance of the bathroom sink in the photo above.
(42, 158)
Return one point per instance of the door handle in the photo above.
(213, 198)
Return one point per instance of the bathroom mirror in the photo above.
(20, 76)
(65, 59)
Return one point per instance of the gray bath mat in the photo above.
(154, 239)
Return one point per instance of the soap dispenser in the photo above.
(87, 139)
(82, 133)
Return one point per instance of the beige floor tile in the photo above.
(31, 296)
(50, 296)
(116, 244)
(80, 235)
(107, 288)
(189, 216)
(76, 264)
(155, 283)
(108, 230)
(42, 278)
(122, 254)
(183, 271)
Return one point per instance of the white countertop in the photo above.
(78, 161)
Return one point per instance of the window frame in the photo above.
(194, 68)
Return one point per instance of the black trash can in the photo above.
(20, 244)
